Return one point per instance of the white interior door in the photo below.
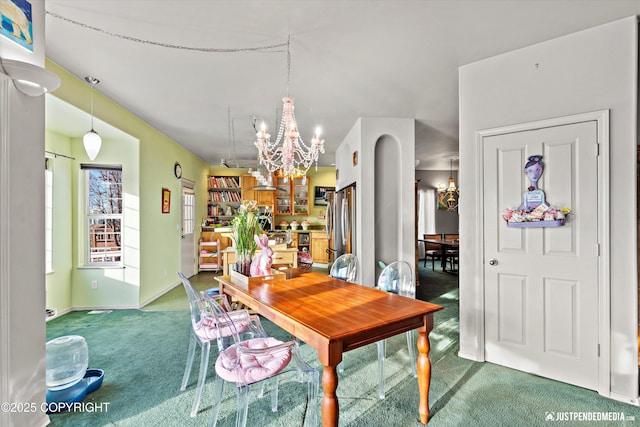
(187, 246)
(541, 284)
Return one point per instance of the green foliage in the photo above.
(245, 226)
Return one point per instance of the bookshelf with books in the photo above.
(225, 197)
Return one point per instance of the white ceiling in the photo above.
(349, 59)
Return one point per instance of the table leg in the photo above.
(330, 408)
(424, 370)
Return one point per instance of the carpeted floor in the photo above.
(143, 354)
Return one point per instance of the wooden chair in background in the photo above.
(432, 250)
(452, 255)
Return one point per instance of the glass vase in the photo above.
(243, 264)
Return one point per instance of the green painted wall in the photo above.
(117, 287)
(151, 239)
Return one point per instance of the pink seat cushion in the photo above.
(252, 368)
(305, 257)
(207, 329)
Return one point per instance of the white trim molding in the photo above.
(604, 223)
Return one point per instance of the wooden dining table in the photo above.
(445, 244)
(334, 316)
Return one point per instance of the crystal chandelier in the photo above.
(448, 196)
(288, 154)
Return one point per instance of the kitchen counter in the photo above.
(318, 230)
(277, 230)
(280, 256)
(218, 229)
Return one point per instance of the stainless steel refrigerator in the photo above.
(341, 222)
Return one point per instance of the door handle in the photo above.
(493, 261)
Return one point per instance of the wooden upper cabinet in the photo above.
(247, 182)
(292, 196)
(264, 198)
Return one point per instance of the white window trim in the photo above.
(88, 264)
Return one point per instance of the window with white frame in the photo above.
(426, 215)
(103, 186)
(188, 210)
(48, 216)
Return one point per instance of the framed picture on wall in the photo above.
(440, 200)
(166, 200)
(320, 196)
(16, 22)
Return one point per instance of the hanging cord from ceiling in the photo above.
(265, 48)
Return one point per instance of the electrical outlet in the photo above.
(165, 272)
(94, 284)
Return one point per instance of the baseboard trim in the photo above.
(623, 398)
(470, 357)
(158, 295)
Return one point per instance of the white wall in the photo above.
(591, 70)
(363, 138)
(22, 284)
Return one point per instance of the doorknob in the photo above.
(493, 261)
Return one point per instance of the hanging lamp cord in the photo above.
(92, 107)
(265, 48)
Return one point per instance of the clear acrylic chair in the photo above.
(345, 267)
(254, 361)
(203, 332)
(396, 278)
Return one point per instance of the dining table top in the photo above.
(444, 242)
(313, 307)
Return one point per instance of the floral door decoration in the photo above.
(534, 210)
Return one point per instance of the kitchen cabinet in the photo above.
(319, 246)
(291, 196)
(304, 242)
(263, 197)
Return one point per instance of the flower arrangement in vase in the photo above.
(245, 226)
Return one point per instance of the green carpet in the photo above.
(143, 355)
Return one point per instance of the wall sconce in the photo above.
(28, 78)
(448, 196)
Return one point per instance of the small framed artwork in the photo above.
(16, 22)
(320, 195)
(166, 200)
(442, 203)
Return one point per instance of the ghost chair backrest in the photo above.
(345, 268)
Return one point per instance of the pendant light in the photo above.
(91, 140)
(448, 196)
